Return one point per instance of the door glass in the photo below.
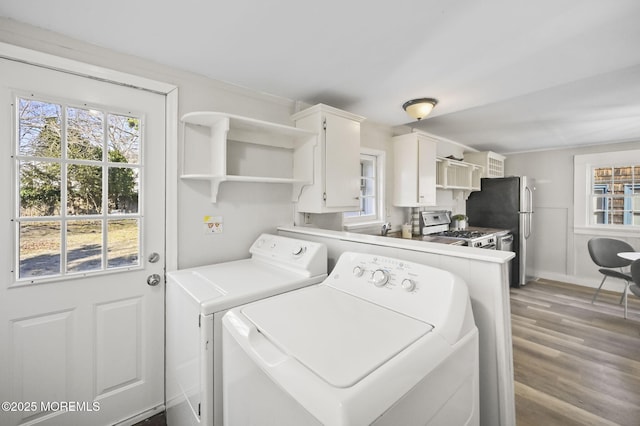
(78, 208)
(84, 245)
(123, 243)
(39, 243)
(85, 132)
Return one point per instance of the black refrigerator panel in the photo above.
(497, 205)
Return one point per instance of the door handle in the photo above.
(153, 280)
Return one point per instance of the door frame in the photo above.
(37, 58)
(170, 92)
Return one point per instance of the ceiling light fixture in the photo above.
(419, 108)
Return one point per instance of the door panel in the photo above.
(92, 340)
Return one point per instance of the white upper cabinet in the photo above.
(336, 165)
(414, 170)
(219, 147)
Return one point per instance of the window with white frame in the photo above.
(77, 171)
(371, 189)
(615, 195)
(607, 190)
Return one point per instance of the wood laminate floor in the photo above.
(575, 363)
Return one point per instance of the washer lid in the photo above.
(339, 337)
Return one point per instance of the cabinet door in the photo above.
(405, 169)
(426, 172)
(342, 162)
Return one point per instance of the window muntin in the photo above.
(77, 202)
(615, 195)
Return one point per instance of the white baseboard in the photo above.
(612, 284)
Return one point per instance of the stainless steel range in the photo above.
(480, 239)
(436, 224)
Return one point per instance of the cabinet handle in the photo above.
(356, 198)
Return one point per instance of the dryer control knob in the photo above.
(408, 284)
(380, 277)
(358, 271)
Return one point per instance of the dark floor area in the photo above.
(157, 420)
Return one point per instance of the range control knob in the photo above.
(380, 277)
(408, 284)
(297, 250)
(358, 271)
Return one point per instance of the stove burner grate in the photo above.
(463, 234)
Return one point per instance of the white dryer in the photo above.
(197, 298)
(381, 341)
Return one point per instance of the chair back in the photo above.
(635, 271)
(604, 252)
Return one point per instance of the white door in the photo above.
(82, 189)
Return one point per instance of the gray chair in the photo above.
(635, 274)
(604, 253)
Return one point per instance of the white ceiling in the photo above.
(509, 75)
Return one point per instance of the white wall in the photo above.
(247, 208)
(558, 252)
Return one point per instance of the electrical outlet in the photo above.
(307, 218)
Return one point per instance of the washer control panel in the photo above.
(386, 272)
(414, 289)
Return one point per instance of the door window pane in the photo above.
(39, 188)
(84, 245)
(123, 243)
(84, 189)
(124, 138)
(123, 190)
(85, 134)
(39, 249)
(39, 129)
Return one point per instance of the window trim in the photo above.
(582, 195)
(353, 223)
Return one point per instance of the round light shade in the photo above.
(419, 108)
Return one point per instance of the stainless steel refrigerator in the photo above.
(506, 203)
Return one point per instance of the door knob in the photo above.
(153, 280)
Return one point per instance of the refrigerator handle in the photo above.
(529, 212)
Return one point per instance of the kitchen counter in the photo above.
(432, 245)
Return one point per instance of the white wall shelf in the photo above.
(453, 174)
(208, 161)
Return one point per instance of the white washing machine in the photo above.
(380, 341)
(197, 298)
